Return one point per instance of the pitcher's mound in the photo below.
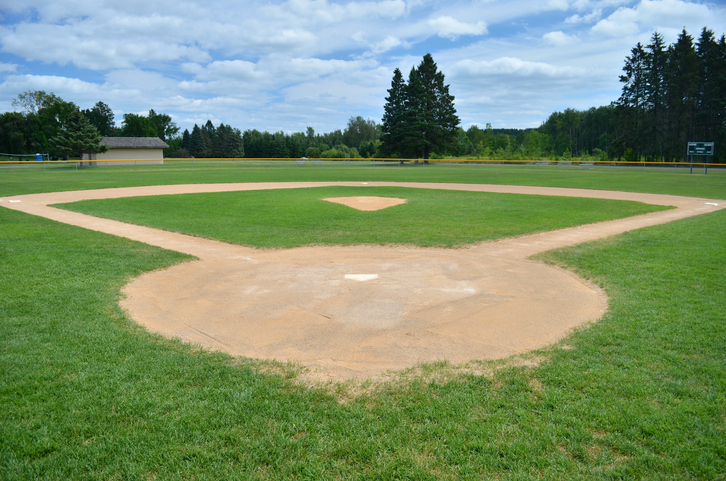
(367, 203)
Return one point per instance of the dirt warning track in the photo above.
(358, 311)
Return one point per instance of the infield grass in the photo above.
(85, 393)
(298, 217)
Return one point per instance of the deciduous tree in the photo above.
(165, 127)
(135, 125)
(101, 117)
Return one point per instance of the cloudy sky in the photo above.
(285, 65)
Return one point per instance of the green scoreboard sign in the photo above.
(700, 148)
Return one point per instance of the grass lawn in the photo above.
(33, 179)
(87, 394)
(296, 217)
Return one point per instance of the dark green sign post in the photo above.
(700, 149)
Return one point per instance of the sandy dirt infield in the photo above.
(355, 312)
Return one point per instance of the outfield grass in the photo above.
(87, 394)
(298, 217)
(630, 179)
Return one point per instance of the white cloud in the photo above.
(510, 66)
(285, 64)
(557, 5)
(449, 27)
(82, 93)
(323, 11)
(381, 46)
(591, 17)
(93, 47)
(650, 15)
(239, 70)
(50, 83)
(153, 83)
(558, 38)
(387, 44)
(620, 24)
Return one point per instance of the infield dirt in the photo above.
(356, 312)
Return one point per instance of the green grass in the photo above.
(87, 394)
(656, 181)
(297, 217)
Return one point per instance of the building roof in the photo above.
(134, 143)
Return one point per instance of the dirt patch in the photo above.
(367, 203)
(357, 312)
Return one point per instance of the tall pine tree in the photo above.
(655, 96)
(632, 100)
(197, 144)
(77, 137)
(682, 95)
(419, 117)
(394, 115)
(436, 119)
(711, 90)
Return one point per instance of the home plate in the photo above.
(361, 277)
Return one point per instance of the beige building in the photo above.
(129, 151)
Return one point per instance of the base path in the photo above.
(355, 312)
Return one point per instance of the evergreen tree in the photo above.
(419, 117)
(78, 137)
(197, 144)
(228, 142)
(413, 140)
(234, 145)
(682, 80)
(436, 119)
(655, 95)
(210, 137)
(279, 146)
(711, 101)
(393, 115)
(218, 148)
(632, 100)
(186, 140)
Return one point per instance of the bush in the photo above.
(312, 152)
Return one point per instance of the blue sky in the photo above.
(287, 65)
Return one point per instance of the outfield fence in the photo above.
(147, 164)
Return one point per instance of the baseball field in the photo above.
(474, 330)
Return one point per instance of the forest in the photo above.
(670, 95)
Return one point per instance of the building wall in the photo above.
(135, 156)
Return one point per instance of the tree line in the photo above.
(360, 138)
(670, 95)
(43, 122)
